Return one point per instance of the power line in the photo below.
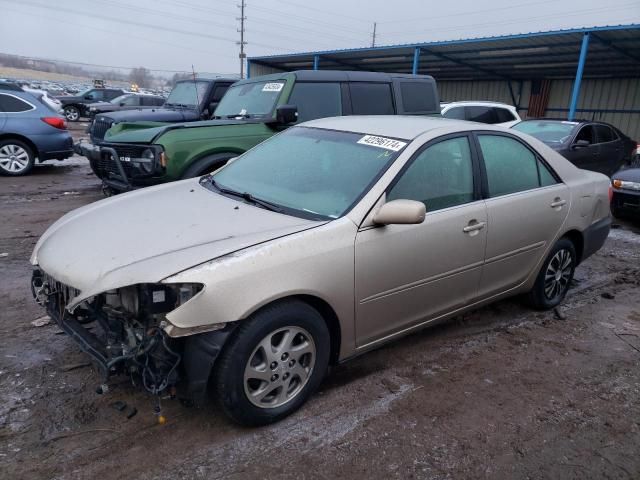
(509, 22)
(332, 14)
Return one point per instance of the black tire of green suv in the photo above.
(208, 164)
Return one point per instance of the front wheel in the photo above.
(273, 363)
(555, 276)
(72, 113)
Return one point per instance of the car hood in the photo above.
(628, 175)
(150, 234)
(159, 114)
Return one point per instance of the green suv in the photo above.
(139, 154)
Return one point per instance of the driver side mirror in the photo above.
(286, 114)
(580, 144)
(400, 212)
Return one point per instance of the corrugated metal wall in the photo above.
(606, 99)
(257, 70)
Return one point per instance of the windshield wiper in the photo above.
(239, 115)
(247, 197)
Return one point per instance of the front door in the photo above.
(584, 155)
(407, 274)
(526, 206)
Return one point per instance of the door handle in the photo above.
(557, 203)
(474, 226)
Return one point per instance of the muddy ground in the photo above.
(504, 392)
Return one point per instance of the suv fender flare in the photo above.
(202, 164)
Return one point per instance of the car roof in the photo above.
(202, 79)
(14, 87)
(406, 127)
(473, 102)
(336, 76)
(564, 120)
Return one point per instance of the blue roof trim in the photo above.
(632, 26)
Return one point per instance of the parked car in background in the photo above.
(251, 111)
(75, 106)
(45, 98)
(189, 101)
(595, 146)
(391, 214)
(29, 131)
(625, 193)
(128, 101)
(493, 113)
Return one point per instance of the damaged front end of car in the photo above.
(126, 332)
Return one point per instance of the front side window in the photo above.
(371, 98)
(131, 101)
(188, 94)
(455, 112)
(586, 134)
(11, 104)
(605, 134)
(316, 100)
(511, 167)
(440, 176)
(249, 99)
(309, 172)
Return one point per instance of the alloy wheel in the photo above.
(71, 114)
(13, 158)
(279, 367)
(558, 274)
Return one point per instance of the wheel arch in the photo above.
(577, 238)
(205, 160)
(21, 138)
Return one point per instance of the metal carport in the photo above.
(528, 69)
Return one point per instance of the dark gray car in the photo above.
(595, 146)
(127, 101)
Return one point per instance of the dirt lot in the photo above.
(502, 393)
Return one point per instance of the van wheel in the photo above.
(72, 113)
(555, 276)
(16, 158)
(273, 363)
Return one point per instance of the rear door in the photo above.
(369, 98)
(526, 206)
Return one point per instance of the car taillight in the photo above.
(56, 122)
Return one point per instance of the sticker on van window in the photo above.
(382, 142)
(272, 87)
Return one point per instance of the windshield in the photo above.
(547, 131)
(188, 94)
(310, 172)
(249, 99)
(121, 98)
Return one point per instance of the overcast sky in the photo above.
(174, 34)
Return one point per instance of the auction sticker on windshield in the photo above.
(272, 87)
(382, 142)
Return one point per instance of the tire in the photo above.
(548, 291)
(207, 164)
(16, 158)
(72, 113)
(255, 387)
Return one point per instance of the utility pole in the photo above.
(373, 39)
(242, 43)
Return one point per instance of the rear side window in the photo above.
(504, 115)
(316, 100)
(605, 134)
(371, 98)
(11, 104)
(418, 97)
(455, 112)
(511, 167)
(480, 114)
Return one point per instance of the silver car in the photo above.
(320, 244)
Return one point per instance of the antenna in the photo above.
(195, 85)
(373, 39)
(242, 43)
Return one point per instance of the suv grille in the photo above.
(98, 129)
(109, 167)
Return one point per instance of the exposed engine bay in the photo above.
(122, 329)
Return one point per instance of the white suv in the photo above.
(484, 112)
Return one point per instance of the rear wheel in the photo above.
(555, 276)
(16, 158)
(273, 363)
(72, 113)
